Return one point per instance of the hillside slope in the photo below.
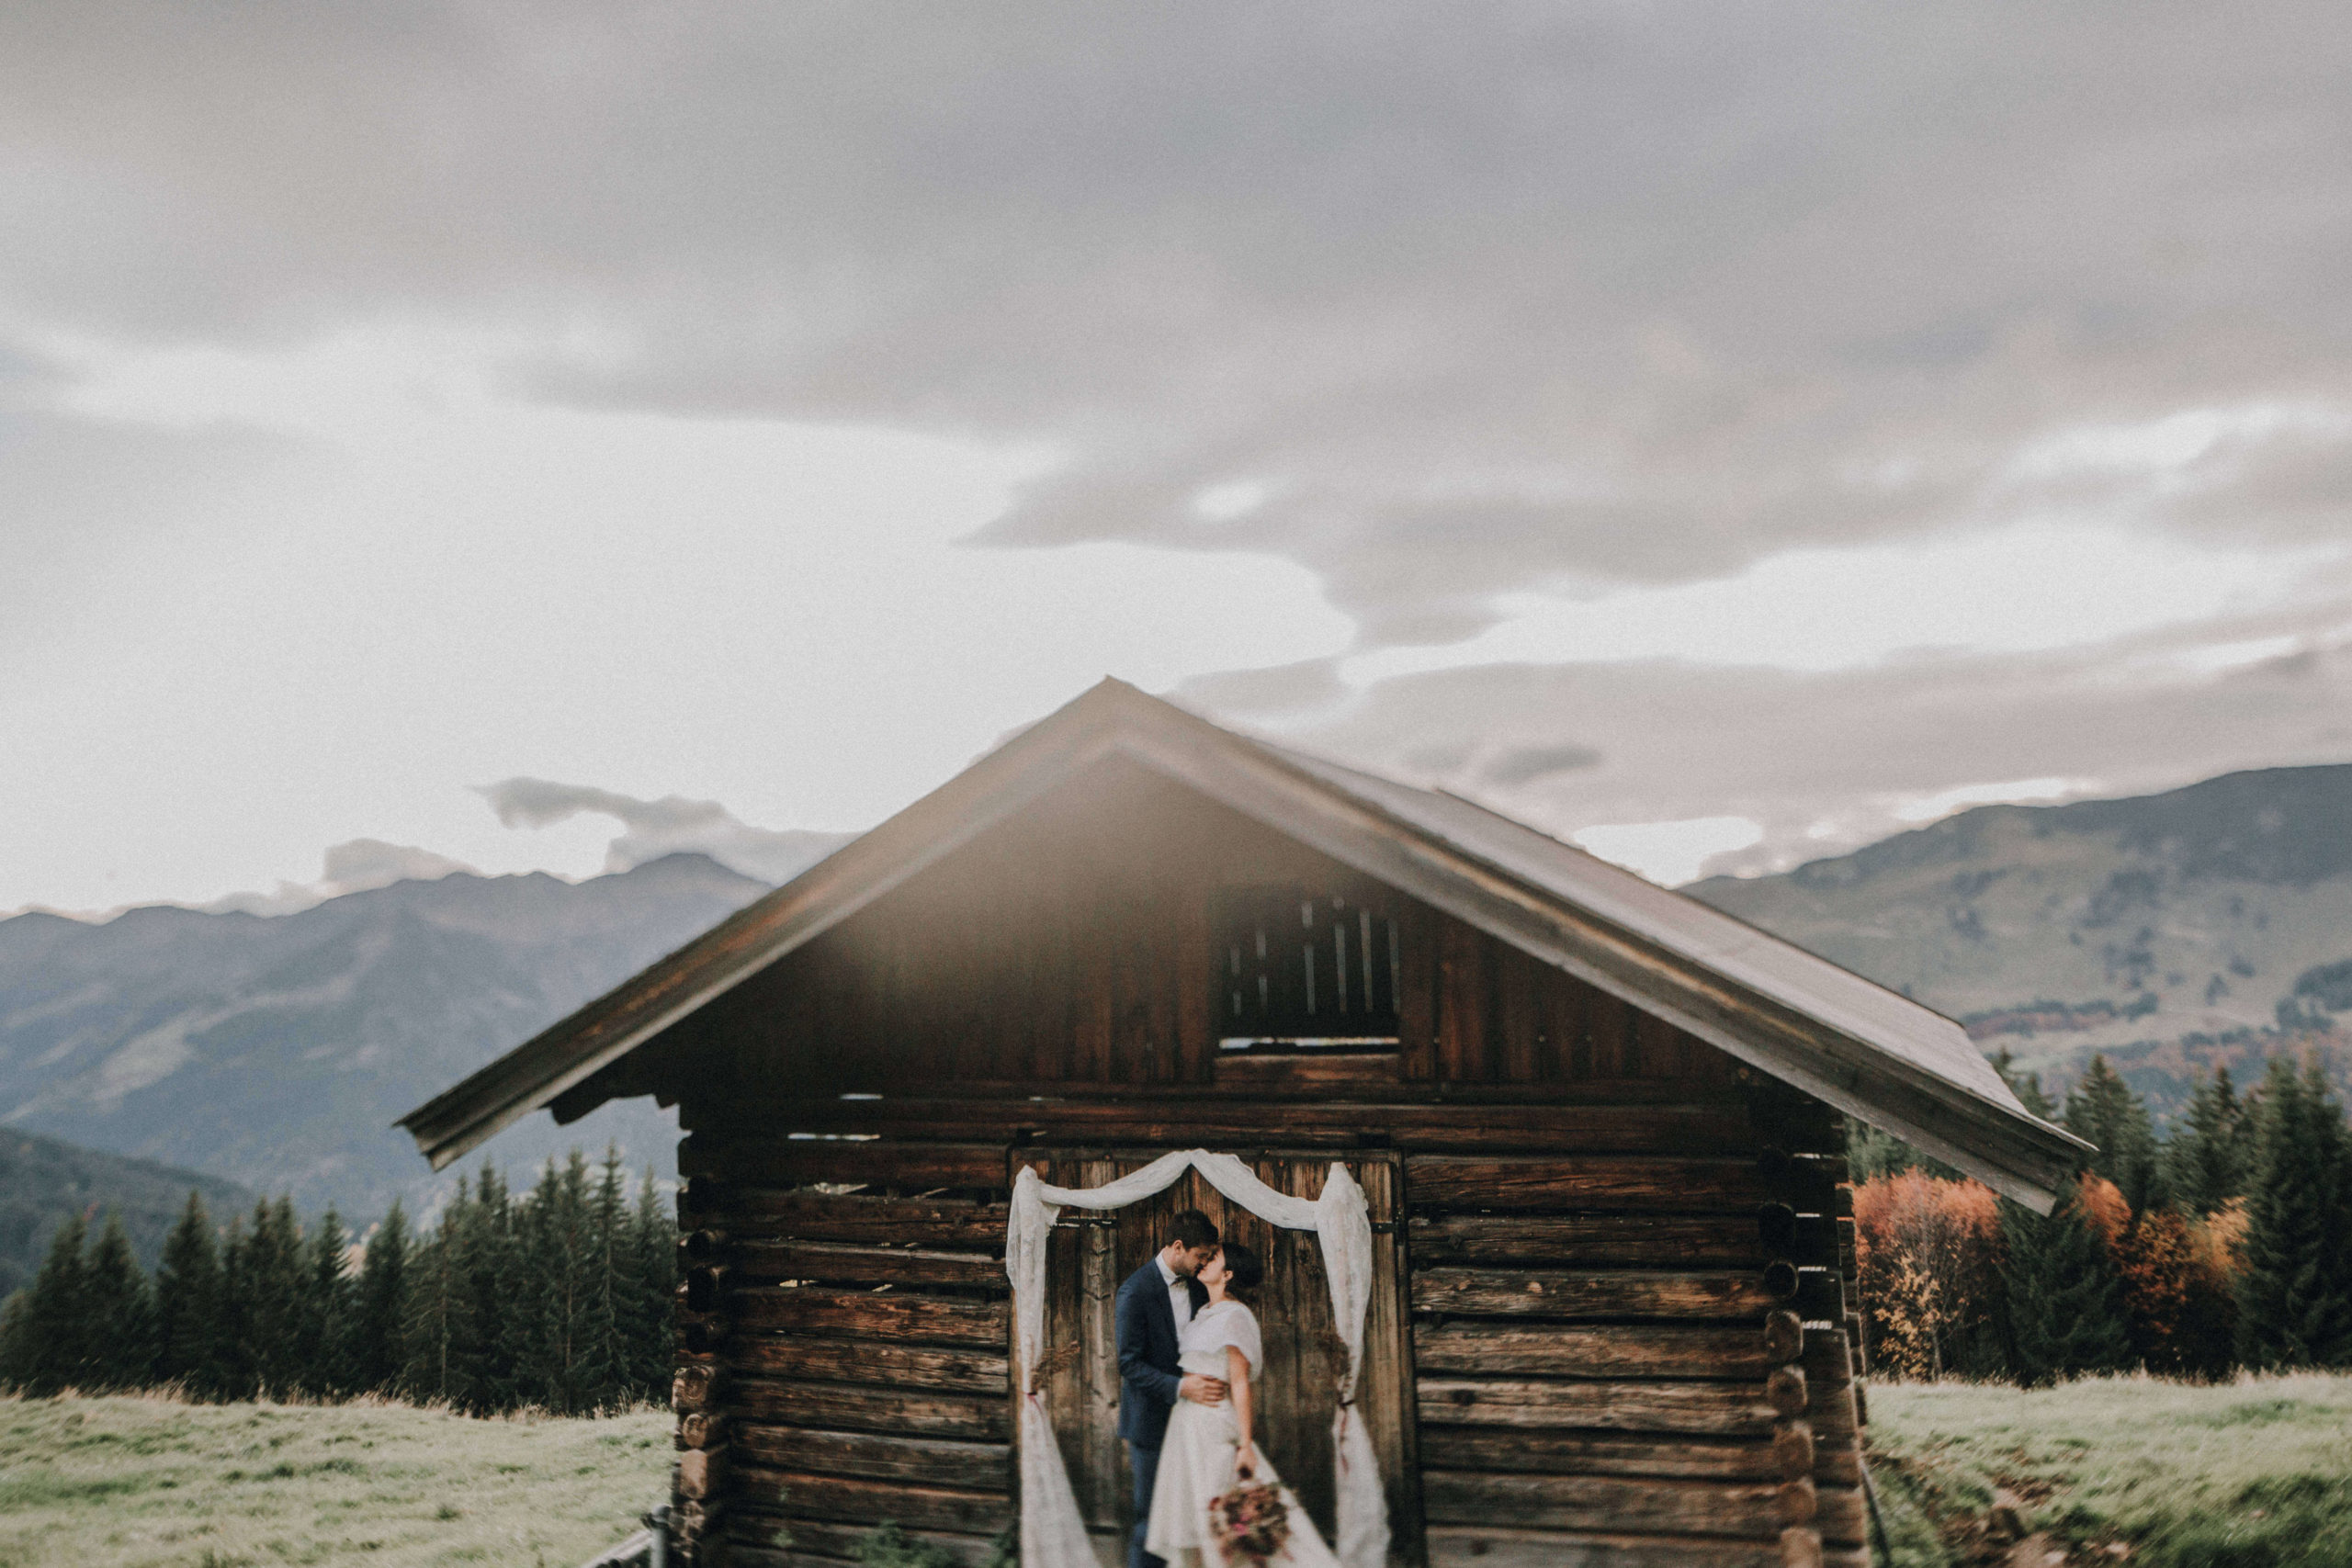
(2171, 931)
(44, 1182)
(275, 1051)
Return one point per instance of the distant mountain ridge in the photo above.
(274, 1050)
(2207, 924)
(43, 1183)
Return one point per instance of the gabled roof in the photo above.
(1826, 1030)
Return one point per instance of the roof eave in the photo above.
(468, 1113)
(1822, 1062)
(2014, 1153)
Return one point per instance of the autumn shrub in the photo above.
(1928, 1253)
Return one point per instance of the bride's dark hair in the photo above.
(1243, 1266)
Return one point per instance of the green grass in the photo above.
(2252, 1474)
(129, 1483)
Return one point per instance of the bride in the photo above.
(1209, 1448)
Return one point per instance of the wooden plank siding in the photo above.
(1586, 1219)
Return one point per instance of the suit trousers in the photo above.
(1144, 1462)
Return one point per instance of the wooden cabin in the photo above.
(1599, 1128)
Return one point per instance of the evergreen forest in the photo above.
(2225, 1244)
(555, 1299)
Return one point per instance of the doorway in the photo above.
(1090, 1254)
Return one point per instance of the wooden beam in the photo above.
(770, 1540)
(862, 1218)
(869, 1503)
(1592, 1183)
(1561, 1293)
(969, 1418)
(925, 1460)
(1623, 1350)
(1600, 1453)
(891, 1319)
(862, 1361)
(1721, 1409)
(878, 1162)
(838, 1263)
(1624, 1504)
(1703, 1241)
(1478, 1546)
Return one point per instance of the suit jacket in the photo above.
(1148, 1376)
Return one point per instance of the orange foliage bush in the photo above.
(1928, 1255)
(2177, 1277)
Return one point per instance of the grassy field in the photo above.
(128, 1482)
(2252, 1474)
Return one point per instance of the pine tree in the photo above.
(234, 1375)
(431, 1305)
(188, 1302)
(605, 1334)
(481, 1238)
(2204, 1167)
(567, 1371)
(121, 1322)
(377, 1359)
(55, 1348)
(2065, 1300)
(2027, 1086)
(645, 1302)
(2295, 1290)
(322, 1353)
(16, 1339)
(275, 1288)
(527, 1365)
(2103, 1109)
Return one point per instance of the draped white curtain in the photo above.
(1053, 1532)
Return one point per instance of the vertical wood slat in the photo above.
(1463, 1003)
(1098, 1353)
(1522, 1037)
(1606, 1019)
(1417, 1020)
(1384, 1384)
(1196, 975)
(1093, 994)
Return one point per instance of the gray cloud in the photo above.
(671, 825)
(1825, 762)
(1525, 764)
(1633, 293)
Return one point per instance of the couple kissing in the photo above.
(1190, 1354)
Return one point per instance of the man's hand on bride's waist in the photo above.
(1200, 1390)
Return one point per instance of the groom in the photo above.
(1155, 1304)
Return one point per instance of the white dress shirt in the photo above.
(1179, 1293)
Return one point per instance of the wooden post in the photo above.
(1385, 1396)
(1099, 1351)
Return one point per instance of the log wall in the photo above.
(1610, 1323)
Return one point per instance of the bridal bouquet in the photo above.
(1251, 1523)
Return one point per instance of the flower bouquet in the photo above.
(1251, 1523)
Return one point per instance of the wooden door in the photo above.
(1090, 1254)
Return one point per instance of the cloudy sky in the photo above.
(473, 434)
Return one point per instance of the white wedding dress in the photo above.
(1196, 1457)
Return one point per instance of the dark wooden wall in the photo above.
(1605, 1241)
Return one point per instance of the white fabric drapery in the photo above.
(1053, 1532)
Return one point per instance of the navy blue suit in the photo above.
(1148, 1379)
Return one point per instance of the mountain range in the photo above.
(275, 1051)
(44, 1182)
(2208, 925)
